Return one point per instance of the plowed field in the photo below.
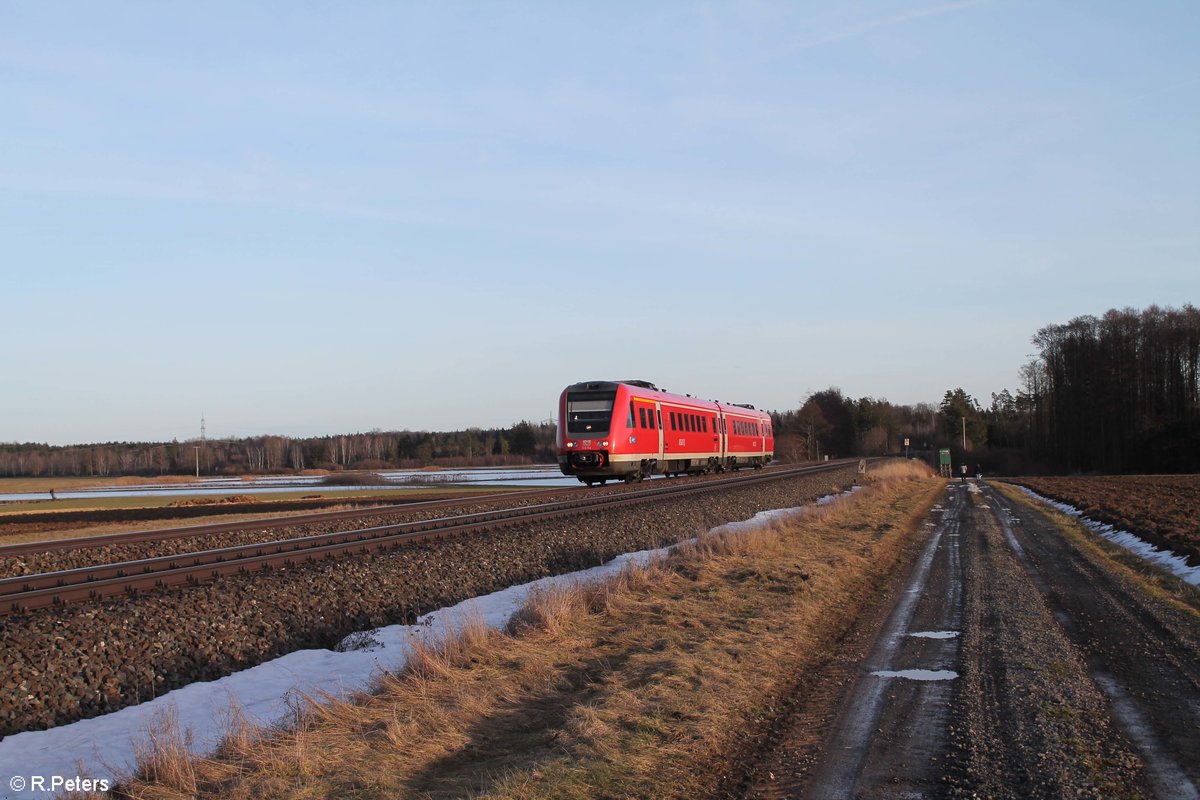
(1164, 509)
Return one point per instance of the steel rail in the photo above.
(30, 592)
(296, 520)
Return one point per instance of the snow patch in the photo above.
(934, 634)
(918, 674)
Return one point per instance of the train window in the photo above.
(589, 412)
(673, 421)
(659, 413)
(704, 424)
(629, 422)
(691, 422)
(642, 417)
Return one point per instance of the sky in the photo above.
(308, 219)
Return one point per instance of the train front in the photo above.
(585, 422)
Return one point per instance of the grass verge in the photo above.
(651, 684)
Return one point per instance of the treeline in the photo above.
(830, 424)
(523, 443)
(1118, 393)
(1112, 394)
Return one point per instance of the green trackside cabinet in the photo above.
(944, 463)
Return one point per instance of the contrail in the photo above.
(888, 22)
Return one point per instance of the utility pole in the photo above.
(202, 439)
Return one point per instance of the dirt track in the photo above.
(1048, 673)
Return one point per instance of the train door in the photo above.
(661, 434)
(722, 437)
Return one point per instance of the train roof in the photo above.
(663, 394)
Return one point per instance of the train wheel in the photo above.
(589, 482)
(603, 481)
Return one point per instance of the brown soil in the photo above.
(1159, 508)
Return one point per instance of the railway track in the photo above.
(31, 592)
(293, 521)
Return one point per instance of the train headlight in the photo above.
(570, 444)
(604, 443)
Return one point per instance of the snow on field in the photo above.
(273, 484)
(1175, 564)
(103, 747)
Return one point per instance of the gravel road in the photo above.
(1044, 671)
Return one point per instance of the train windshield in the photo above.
(588, 413)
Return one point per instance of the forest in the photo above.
(1113, 394)
(523, 443)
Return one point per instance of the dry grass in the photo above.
(900, 469)
(22, 485)
(137, 480)
(644, 685)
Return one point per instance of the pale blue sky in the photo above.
(308, 219)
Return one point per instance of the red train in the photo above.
(632, 429)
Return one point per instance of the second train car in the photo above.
(630, 430)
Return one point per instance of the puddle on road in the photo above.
(918, 674)
(934, 634)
